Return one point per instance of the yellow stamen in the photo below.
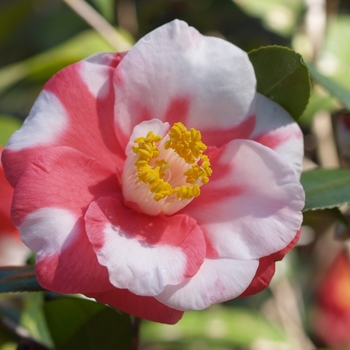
(188, 146)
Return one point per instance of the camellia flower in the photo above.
(157, 180)
(12, 250)
(332, 317)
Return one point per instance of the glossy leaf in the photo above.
(83, 324)
(18, 279)
(337, 90)
(326, 188)
(283, 77)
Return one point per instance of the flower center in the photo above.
(169, 169)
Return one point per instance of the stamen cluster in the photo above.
(146, 149)
(187, 145)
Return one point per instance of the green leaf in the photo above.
(283, 77)
(326, 188)
(337, 90)
(83, 324)
(18, 279)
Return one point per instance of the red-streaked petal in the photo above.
(62, 177)
(252, 205)
(74, 109)
(143, 253)
(266, 269)
(176, 74)
(65, 261)
(50, 200)
(143, 307)
(217, 280)
(276, 129)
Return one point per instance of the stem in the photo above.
(96, 21)
(136, 335)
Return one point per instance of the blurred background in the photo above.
(307, 305)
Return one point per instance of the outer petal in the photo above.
(276, 129)
(252, 205)
(269, 124)
(217, 280)
(144, 307)
(266, 269)
(144, 254)
(50, 200)
(74, 109)
(176, 74)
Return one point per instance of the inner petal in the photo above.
(164, 174)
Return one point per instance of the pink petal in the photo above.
(266, 269)
(50, 200)
(176, 74)
(142, 253)
(65, 261)
(143, 307)
(74, 109)
(251, 206)
(276, 129)
(217, 280)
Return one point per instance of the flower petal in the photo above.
(142, 253)
(143, 307)
(217, 280)
(266, 269)
(276, 129)
(176, 74)
(74, 109)
(252, 205)
(49, 214)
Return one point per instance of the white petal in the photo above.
(176, 74)
(252, 205)
(47, 231)
(276, 129)
(143, 254)
(217, 280)
(44, 125)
